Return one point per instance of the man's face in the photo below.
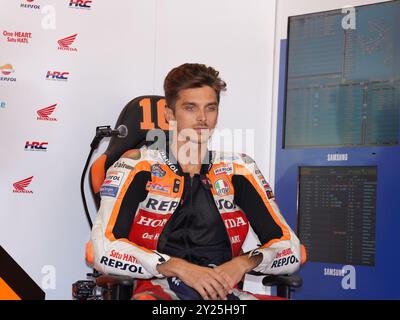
(196, 113)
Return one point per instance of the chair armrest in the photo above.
(105, 280)
(283, 283)
(293, 281)
(115, 287)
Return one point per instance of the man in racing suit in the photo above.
(178, 226)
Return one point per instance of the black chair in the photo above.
(140, 115)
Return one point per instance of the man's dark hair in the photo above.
(191, 75)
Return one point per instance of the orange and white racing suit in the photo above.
(142, 199)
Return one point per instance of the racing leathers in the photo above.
(141, 200)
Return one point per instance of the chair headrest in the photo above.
(140, 115)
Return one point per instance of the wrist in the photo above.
(249, 263)
(171, 267)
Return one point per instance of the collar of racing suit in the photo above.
(170, 160)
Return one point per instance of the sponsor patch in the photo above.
(157, 171)
(121, 265)
(122, 165)
(235, 239)
(223, 204)
(153, 186)
(123, 256)
(113, 179)
(265, 184)
(148, 221)
(223, 170)
(284, 261)
(284, 253)
(108, 191)
(161, 205)
(147, 227)
(222, 187)
(234, 222)
(270, 194)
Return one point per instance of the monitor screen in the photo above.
(336, 214)
(343, 78)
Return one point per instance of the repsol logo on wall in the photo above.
(6, 70)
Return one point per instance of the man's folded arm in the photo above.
(121, 193)
(280, 247)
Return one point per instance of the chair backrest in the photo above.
(140, 115)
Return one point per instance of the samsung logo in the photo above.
(337, 157)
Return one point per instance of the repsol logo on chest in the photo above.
(284, 262)
(163, 205)
(120, 265)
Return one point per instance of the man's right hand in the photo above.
(206, 281)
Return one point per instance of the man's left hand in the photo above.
(234, 270)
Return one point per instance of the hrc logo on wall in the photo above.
(80, 4)
(57, 75)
